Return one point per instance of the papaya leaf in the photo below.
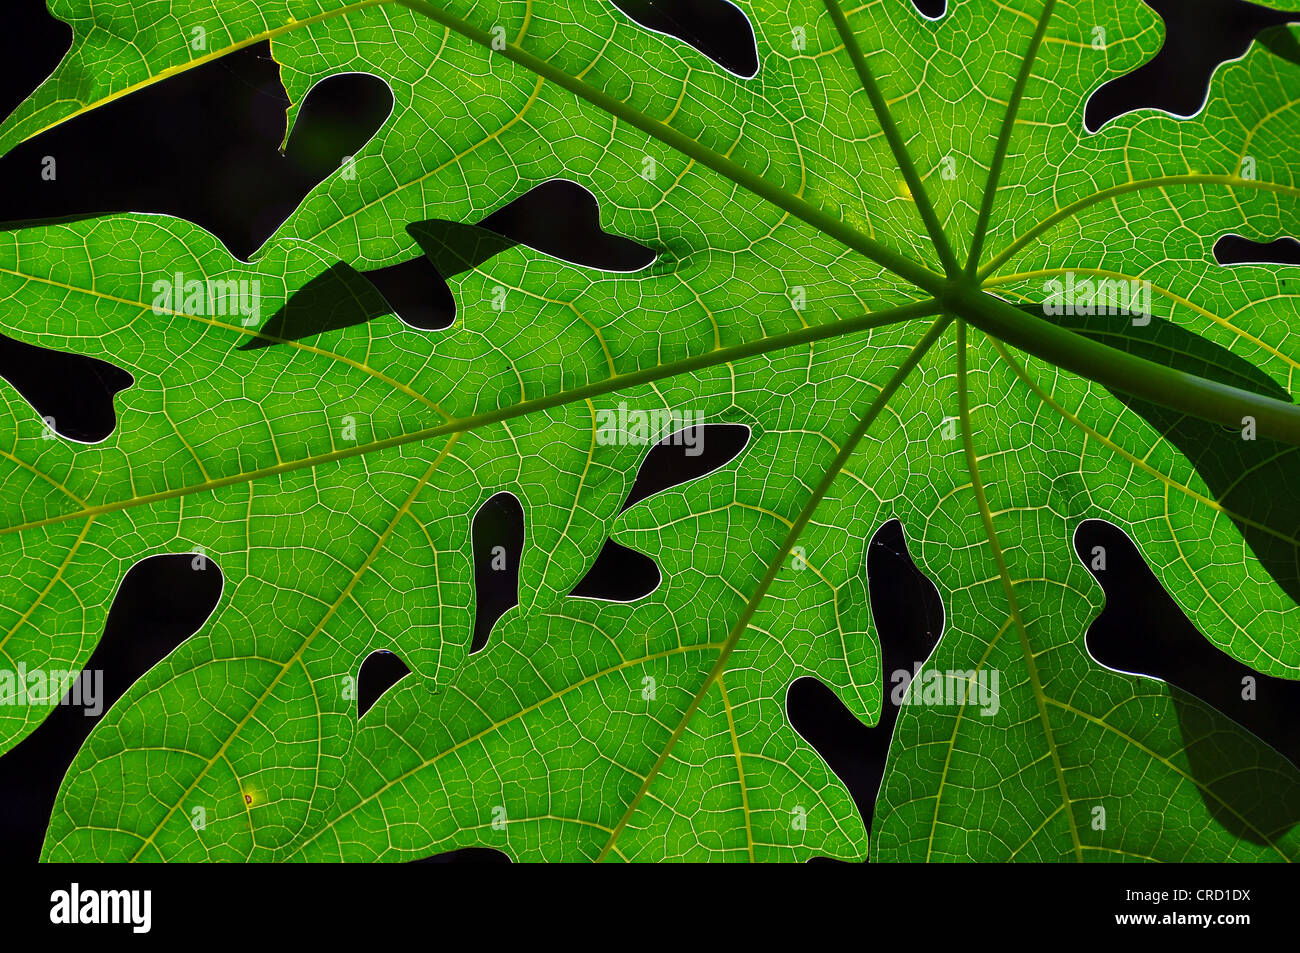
(895, 254)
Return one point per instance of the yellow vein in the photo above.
(58, 574)
(1004, 138)
(496, 726)
(1043, 395)
(952, 741)
(1158, 289)
(740, 770)
(774, 567)
(916, 187)
(296, 658)
(204, 319)
(205, 58)
(708, 359)
(1155, 755)
(981, 501)
(1117, 190)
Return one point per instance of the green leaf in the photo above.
(911, 182)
